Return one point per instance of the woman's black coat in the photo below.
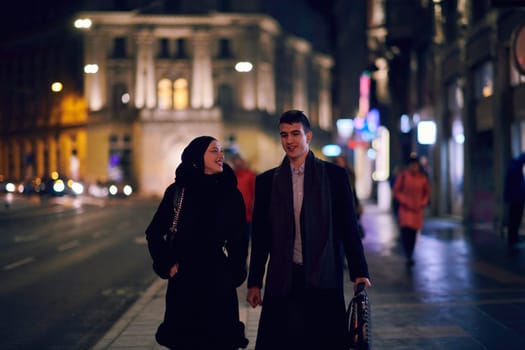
(211, 247)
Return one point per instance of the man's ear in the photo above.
(309, 136)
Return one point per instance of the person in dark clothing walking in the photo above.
(514, 195)
(304, 219)
(204, 254)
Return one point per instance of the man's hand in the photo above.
(364, 280)
(254, 296)
(174, 269)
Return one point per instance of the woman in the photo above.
(412, 191)
(204, 257)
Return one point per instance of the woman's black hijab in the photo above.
(191, 170)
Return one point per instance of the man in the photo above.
(303, 220)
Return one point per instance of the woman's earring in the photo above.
(194, 165)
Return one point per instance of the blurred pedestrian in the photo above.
(392, 180)
(303, 220)
(342, 162)
(245, 184)
(412, 191)
(514, 195)
(198, 241)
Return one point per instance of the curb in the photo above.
(132, 313)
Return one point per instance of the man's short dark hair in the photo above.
(295, 116)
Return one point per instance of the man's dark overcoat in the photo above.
(211, 247)
(329, 235)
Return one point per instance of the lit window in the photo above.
(180, 94)
(164, 94)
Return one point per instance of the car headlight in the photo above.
(128, 190)
(59, 186)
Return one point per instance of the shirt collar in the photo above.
(297, 171)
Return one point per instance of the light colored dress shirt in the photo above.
(298, 193)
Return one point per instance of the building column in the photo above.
(300, 74)
(3, 160)
(39, 158)
(266, 87)
(145, 85)
(324, 64)
(265, 63)
(94, 83)
(202, 80)
(52, 154)
(16, 153)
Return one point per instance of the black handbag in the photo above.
(358, 318)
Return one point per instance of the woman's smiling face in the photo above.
(213, 158)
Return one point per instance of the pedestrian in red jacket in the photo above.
(245, 183)
(412, 191)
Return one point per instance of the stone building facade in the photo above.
(163, 79)
(155, 79)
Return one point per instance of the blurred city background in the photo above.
(98, 99)
(108, 92)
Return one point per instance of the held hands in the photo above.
(254, 297)
(174, 269)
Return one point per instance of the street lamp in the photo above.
(243, 66)
(83, 23)
(91, 68)
(56, 86)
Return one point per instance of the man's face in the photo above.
(295, 140)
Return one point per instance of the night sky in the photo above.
(23, 18)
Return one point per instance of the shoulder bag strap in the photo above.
(177, 205)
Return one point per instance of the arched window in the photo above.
(180, 94)
(164, 94)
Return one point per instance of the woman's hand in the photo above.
(254, 296)
(174, 269)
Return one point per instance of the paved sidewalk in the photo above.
(465, 292)
(135, 330)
